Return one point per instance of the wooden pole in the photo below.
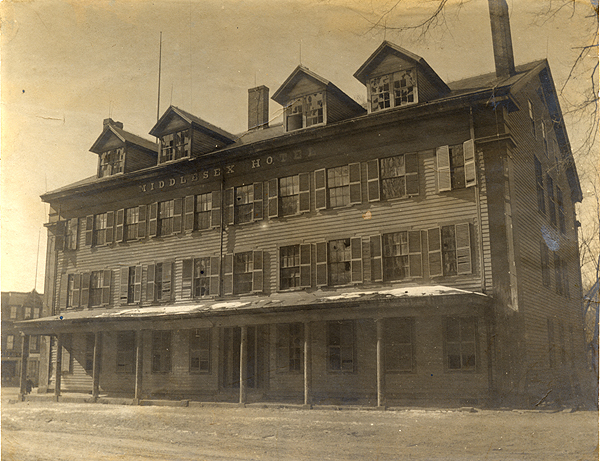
(380, 370)
(307, 365)
(139, 364)
(58, 367)
(24, 359)
(243, 367)
(96, 365)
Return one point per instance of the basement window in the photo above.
(392, 90)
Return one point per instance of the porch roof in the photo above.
(277, 302)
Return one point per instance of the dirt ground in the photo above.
(40, 430)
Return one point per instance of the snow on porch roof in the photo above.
(283, 301)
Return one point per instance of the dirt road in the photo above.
(72, 431)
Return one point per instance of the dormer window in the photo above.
(174, 146)
(305, 111)
(112, 162)
(392, 90)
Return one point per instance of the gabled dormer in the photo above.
(122, 152)
(395, 77)
(183, 135)
(310, 100)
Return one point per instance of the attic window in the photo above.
(174, 146)
(392, 90)
(111, 162)
(305, 111)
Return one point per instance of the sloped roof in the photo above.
(387, 48)
(124, 136)
(210, 129)
(282, 94)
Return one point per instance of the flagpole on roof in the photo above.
(159, 71)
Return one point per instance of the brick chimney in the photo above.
(503, 51)
(110, 121)
(258, 108)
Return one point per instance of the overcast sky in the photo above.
(68, 64)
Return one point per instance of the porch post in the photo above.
(380, 370)
(243, 366)
(24, 359)
(96, 365)
(58, 365)
(307, 365)
(139, 363)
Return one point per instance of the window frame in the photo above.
(539, 186)
(304, 269)
(403, 178)
(435, 237)
(174, 148)
(349, 347)
(299, 108)
(290, 348)
(352, 190)
(203, 354)
(111, 160)
(452, 176)
(474, 368)
(391, 327)
(388, 95)
(125, 350)
(415, 269)
(231, 273)
(162, 357)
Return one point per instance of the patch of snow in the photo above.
(229, 305)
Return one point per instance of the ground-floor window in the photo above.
(460, 342)
(399, 344)
(340, 346)
(200, 350)
(161, 351)
(290, 345)
(125, 351)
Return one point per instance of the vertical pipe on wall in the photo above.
(380, 370)
(243, 365)
(58, 365)
(24, 358)
(139, 362)
(96, 365)
(307, 365)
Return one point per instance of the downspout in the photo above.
(478, 206)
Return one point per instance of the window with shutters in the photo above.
(545, 263)
(200, 277)
(305, 111)
(159, 282)
(290, 347)
(561, 211)
(200, 350)
(10, 342)
(338, 186)
(99, 288)
(289, 193)
(392, 90)
(161, 351)
(132, 220)
(131, 284)
(455, 166)
(73, 290)
(111, 162)
(460, 335)
(174, 146)
(244, 204)
(166, 213)
(339, 261)
(551, 200)
(399, 176)
(201, 282)
(243, 272)
(340, 346)
(289, 264)
(34, 343)
(203, 212)
(449, 249)
(13, 312)
(100, 226)
(398, 336)
(539, 186)
(402, 255)
(125, 352)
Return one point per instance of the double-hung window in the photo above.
(200, 277)
(288, 196)
(73, 290)
(159, 282)
(392, 90)
(111, 162)
(99, 288)
(339, 262)
(166, 212)
(339, 186)
(131, 223)
(244, 204)
(305, 111)
(100, 225)
(161, 351)
(99, 229)
(340, 346)
(399, 344)
(294, 266)
(243, 272)
(449, 249)
(455, 166)
(399, 176)
(200, 350)
(461, 343)
(132, 220)
(402, 256)
(290, 339)
(174, 146)
(131, 284)
(203, 213)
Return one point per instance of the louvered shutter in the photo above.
(434, 246)
(214, 275)
(141, 229)
(273, 195)
(257, 271)
(229, 208)
(356, 274)
(355, 186)
(150, 286)
(228, 274)
(373, 180)
(137, 286)
(119, 228)
(321, 263)
(188, 220)
(106, 279)
(153, 220)
(442, 155)
(320, 190)
(411, 165)
(187, 276)
(76, 290)
(167, 281)
(305, 263)
(304, 194)
(110, 227)
(463, 249)
(415, 259)
(177, 215)
(216, 208)
(470, 168)
(376, 259)
(89, 230)
(85, 289)
(63, 291)
(124, 285)
(258, 201)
